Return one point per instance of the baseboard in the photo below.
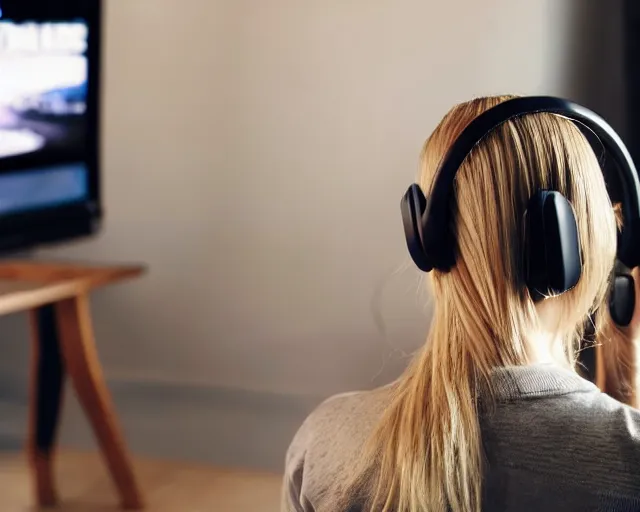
(213, 425)
(13, 410)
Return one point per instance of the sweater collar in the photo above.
(538, 380)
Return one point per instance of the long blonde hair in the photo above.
(426, 453)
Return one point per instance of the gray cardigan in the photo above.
(553, 442)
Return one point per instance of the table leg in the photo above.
(84, 369)
(47, 376)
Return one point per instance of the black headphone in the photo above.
(552, 245)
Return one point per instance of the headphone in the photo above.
(553, 258)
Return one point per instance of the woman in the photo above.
(491, 413)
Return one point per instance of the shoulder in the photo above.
(327, 445)
(607, 433)
(586, 438)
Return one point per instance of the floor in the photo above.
(169, 487)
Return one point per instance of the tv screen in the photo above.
(49, 140)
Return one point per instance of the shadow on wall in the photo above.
(596, 59)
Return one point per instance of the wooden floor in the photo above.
(169, 487)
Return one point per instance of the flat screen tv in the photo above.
(49, 121)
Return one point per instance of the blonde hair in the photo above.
(426, 452)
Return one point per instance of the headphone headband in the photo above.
(436, 225)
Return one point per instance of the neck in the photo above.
(543, 347)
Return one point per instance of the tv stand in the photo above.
(56, 295)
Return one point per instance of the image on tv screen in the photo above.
(43, 87)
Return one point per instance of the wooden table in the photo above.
(57, 298)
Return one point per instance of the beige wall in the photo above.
(255, 153)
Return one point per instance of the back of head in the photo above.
(485, 292)
(426, 453)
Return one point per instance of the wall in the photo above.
(254, 156)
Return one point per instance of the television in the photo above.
(49, 121)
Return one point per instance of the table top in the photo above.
(28, 284)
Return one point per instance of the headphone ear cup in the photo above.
(622, 299)
(412, 207)
(552, 245)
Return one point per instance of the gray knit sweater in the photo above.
(553, 443)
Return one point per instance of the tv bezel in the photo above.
(27, 230)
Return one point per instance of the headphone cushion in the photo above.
(622, 300)
(552, 245)
(412, 207)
